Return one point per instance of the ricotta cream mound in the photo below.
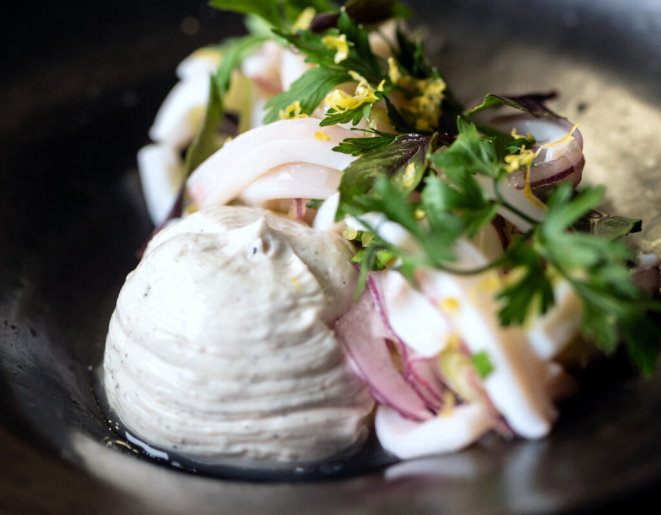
(221, 344)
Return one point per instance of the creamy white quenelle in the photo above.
(221, 343)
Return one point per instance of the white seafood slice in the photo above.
(516, 198)
(293, 180)
(325, 218)
(408, 439)
(204, 61)
(390, 232)
(264, 67)
(551, 333)
(513, 386)
(161, 172)
(181, 114)
(243, 160)
(410, 314)
(292, 67)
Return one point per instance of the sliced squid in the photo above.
(446, 433)
(292, 66)
(264, 67)
(228, 172)
(204, 61)
(293, 180)
(551, 333)
(182, 112)
(531, 207)
(513, 386)
(325, 218)
(420, 325)
(161, 173)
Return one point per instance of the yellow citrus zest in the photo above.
(409, 175)
(296, 284)
(341, 101)
(304, 19)
(293, 111)
(338, 43)
(322, 136)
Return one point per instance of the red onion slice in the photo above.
(299, 208)
(561, 162)
(372, 361)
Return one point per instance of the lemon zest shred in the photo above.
(425, 107)
(527, 189)
(292, 112)
(342, 101)
(393, 71)
(409, 175)
(449, 402)
(304, 19)
(449, 305)
(338, 43)
(296, 284)
(562, 140)
(453, 342)
(322, 136)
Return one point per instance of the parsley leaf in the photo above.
(482, 364)
(314, 203)
(266, 9)
(293, 8)
(359, 146)
(352, 116)
(595, 266)
(532, 293)
(310, 89)
(532, 104)
(469, 153)
(402, 162)
(375, 11)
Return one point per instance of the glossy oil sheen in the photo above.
(79, 86)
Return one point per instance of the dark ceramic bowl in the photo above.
(79, 87)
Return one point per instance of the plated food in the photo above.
(348, 234)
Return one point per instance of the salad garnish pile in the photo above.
(456, 165)
(484, 270)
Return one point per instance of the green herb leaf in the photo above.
(359, 146)
(399, 123)
(293, 8)
(469, 153)
(353, 116)
(205, 142)
(402, 162)
(311, 46)
(266, 9)
(531, 294)
(595, 222)
(532, 104)
(310, 89)
(315, 203)
(375, 11)
(482, 364)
